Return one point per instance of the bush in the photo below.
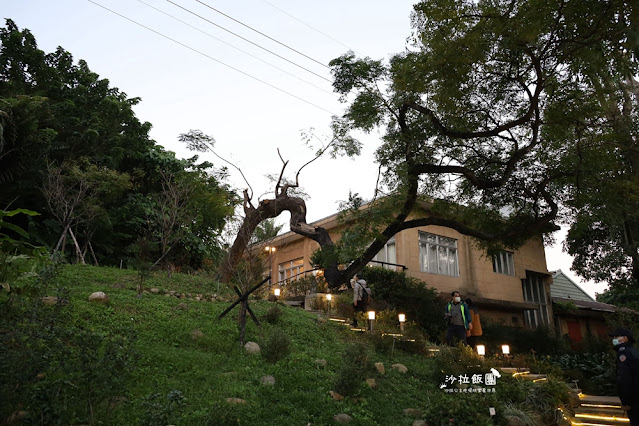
(595, 372)
(56, 367)
(354, 370)
(273, 314)
(160, 411)
(277, 347)
(542, 340)
(395, 290)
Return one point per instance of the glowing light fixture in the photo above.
(481, 350)
(402, 317)
(276, 292)
(505, 349)
(329, 297)
(371, 320)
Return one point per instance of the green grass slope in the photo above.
(157, 360)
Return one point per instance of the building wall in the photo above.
(476, 276)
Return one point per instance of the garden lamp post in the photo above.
(481, 350)
(402, 320)
(270, 251)
(329, 297)
(371, 320)
(505, 349)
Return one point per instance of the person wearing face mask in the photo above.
(459, 319)
(627, 373)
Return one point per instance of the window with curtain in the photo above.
(438, 255)
(535, 292)
(386, 255)
(503, 263)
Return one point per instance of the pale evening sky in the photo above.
(181, 58)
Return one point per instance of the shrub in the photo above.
(273, 314)
(595, 372)
(159, 411)
(542, 340)
(396, 290)
(52, 357)
(277, 347)
(354, 370)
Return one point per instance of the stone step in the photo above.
(586, 419)
(600, 400)
(533, 377)
(513, 370)
(607, 410)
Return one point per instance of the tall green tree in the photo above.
(59, 115)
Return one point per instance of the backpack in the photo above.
(365, 294)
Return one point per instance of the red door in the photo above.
(574, 331)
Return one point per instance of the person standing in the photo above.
(458, 318)
(360, 300)
(475, 331)
(627, 373)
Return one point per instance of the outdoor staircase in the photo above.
(593, 410)
(599, 410)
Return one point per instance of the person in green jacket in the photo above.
(459, 320)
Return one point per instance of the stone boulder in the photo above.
(400, 367)
(413, 412)
(335, 395)
(252, 348)
(380, 367)
(342, 418)
(49, 300)
(99, 297)
(268, 380)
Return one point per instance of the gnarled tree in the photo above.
(485, 114)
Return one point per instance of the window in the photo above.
(438, 255)
(503, 263)
(387, 256)
(535, 292)
(292, 269)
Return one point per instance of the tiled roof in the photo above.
(564, 287)
(588, 304)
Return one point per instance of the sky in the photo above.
(253, 74)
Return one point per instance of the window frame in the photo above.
(429, 257)
(295, 269)
(534, 291)
(504, 263)
(386, 262)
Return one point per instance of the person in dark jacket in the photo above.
(627, 373)
(459, 320)
(359, 305)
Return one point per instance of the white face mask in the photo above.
(616, 342)
(457, 299)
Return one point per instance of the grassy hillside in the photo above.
(160, 360)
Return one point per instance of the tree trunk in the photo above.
(77, 247)
(242, 319)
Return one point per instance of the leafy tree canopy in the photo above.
(59, 118)
(503, 116)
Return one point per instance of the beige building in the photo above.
(511, 288)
